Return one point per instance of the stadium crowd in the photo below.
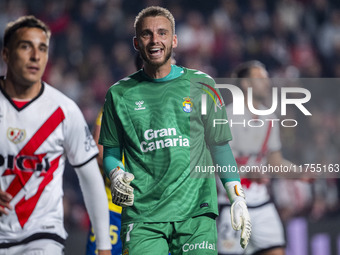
(92, 48)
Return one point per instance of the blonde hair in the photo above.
(154, 11)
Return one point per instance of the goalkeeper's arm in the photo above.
(223, 156)
(122, 192)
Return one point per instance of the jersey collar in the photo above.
(26, 105)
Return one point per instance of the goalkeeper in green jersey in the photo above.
(162, 118)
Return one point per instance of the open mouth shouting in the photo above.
(156, 52)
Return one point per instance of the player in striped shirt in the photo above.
(39, 129)
(254, 146)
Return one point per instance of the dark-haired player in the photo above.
(39, 128)
(254, 146)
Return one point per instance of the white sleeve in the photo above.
(92, 186)
(79, 143)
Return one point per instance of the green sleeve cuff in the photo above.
(111, 159)
(223, 156)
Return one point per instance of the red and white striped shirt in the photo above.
(35, 141)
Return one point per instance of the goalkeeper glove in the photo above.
(239, 212)
(122, 192)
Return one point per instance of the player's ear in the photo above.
(135, 43)
(5, 54)
(174, 41)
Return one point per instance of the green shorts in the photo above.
(196, 236)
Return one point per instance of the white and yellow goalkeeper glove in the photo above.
(122, 192)
(239, 212)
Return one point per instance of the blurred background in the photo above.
(91, 49)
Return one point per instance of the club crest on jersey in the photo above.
(139, 105)
(16, 135)
(187, 104)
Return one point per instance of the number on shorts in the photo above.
(128, 233)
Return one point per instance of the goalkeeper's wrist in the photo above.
(114, 171)
(234, 191)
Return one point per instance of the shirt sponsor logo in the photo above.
(16, 135)
(205, 245)
(187, 104)
(162, 138)
(26, 163)
(139, 105)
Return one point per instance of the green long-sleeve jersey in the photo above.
(165, 138)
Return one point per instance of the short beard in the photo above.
(155, 65)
